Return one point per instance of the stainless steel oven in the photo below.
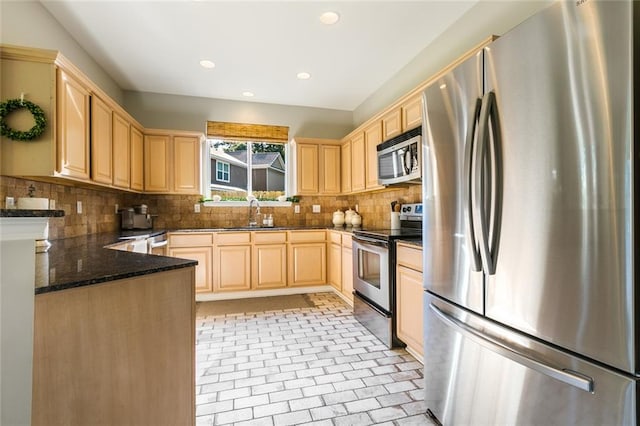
(374, 261)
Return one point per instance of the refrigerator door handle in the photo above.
(564, 375)
(468, 165)
(488, 113)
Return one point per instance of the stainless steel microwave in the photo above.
(400, 159)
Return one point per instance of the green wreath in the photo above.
(11, 105)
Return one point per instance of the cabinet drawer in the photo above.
(223, 238)
(335, 237)
(191, 239)
(411, 257)
(346, 240)
(265, 237)
(307, 236)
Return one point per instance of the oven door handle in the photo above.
(372, 241)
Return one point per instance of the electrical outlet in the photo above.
(196, 208)
(79, 207)
(316, 208)
(10, 203)
(296, 208)
(52, 204)
(117, 208)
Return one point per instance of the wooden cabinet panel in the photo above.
(411, 257)
(334, 264)
(269, 266)
(232, 265)
(410, 308)
(392, 123)
(204, 270)
(73, 127)
(345, 168)
(156, 163)
(307, 236)
(186, 164)
(137, 159)
(412, 113)
(121, 152)
(347, 272)
(307, 169)
(101, 141)
(372, 137)
(269, 237)
(307, 264)
(228, 238)
(190, 239)
(330, 169)
(358, 159)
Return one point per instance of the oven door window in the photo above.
(369, 267)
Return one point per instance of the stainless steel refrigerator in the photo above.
(530, 242)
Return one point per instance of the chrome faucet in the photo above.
(254, 212)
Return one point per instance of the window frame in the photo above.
(228, 171)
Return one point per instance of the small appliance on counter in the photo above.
(136, 217)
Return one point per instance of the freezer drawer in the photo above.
(477, 372)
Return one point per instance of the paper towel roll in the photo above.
(395, 220)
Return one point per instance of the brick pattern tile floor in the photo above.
(303, 366)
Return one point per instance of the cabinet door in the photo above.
(121, 152)
(101, 141)
(307, 264)
(412, 113)
(392, 123)
(137, 159)
(372, 137)
(330, 169)
(409, 292)
(156, 163)
(347, 273)
(233, 268)
(334, 263)
(203, 270)
(307, 169)
(345, 168)
(186, 164)
(73, 127)
(358, 159)
(269, 266)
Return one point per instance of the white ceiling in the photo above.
(156, 46)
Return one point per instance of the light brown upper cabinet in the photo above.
(315, 166)
(73, 126)
(392, 123)
(358, 159)
(412, 112)
(345, 167)
(172, 162)
(372, 137)
(137, 159)
(121, 151)
(101, 141)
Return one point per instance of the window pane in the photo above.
(230, 177)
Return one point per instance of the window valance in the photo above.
(247, 132)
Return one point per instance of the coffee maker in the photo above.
(136, 217)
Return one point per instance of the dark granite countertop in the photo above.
(30, 213)
(81, 261)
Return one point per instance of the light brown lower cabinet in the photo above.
(334, 263)
(409, 294)
(121, 352)
(307, 258)
(347, 267)
(204, 271)
(232, 261)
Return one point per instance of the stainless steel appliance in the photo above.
(399, 159)
(531, 303)
(374, 259)
(150, 242)
(131, 218)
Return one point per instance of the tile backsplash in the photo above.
(177, 211)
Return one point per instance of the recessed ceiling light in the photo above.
(304, 76)
(247, 94)
(205, 63)
(329, 18)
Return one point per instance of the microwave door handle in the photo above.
(467, 186)
(408, 161)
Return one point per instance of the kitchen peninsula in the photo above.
(113, 336)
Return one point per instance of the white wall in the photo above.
(484, 19)
(28, 23)
(155, 110)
